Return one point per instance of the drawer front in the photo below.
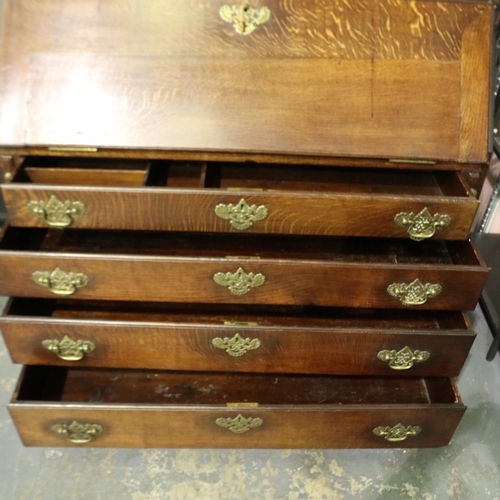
(133, 408)
(236, 281)
(398, 216)
(197, 427)
(342, 351)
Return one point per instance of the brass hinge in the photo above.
(416, 162)
(242, 405)
(72, 149)
(239, 257)
(243, 189)
(240, 323)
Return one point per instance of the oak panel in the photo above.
(65, 60)
(292, 340)
(298, 271)
(341, 422)
(176, 197)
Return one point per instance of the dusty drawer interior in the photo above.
(53, 171)
(206, 245)
(74, 385)
(250, 316)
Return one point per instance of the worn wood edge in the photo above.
(217, 192)
(478, 255)
(475, 102)
(340, 161)
(399, 331)
(454, 386)
(466, 319)
(19, 383)
(239, 261)
(264, 408)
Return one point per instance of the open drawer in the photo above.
(244, 269)
(230, 338)
(56, 406)
(231, 197)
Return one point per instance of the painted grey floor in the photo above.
(467, 469)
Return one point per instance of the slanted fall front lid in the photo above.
(367, 78)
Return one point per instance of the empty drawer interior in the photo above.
(244, 246)
(250, 316)
(239, 176)
(74, 385)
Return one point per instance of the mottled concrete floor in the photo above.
(467, 469)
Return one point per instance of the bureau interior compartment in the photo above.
(60, 171)
(80, 385)
(334, 180)
(56, 171)
(241, 246)
(251, 315)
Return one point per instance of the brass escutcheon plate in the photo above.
(414, 293)
(403, 359)
(78, 433)
(422, 225)
(239, 282)
(241, 216)
(236, 346)
(67, 349)
(56, 213)
(60, 282)
(397, 433)
(244, 18)
(239, 424)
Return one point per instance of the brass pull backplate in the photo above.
(239, 424)
(244, 18)
(67, 349)
(397, 433)
(57, 213)
(59, 282)
(240, 282)
(415, 293)
(403, 359)
(241, 216)
(422, 225)
(78, 433)
(236, 346)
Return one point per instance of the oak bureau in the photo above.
(241, 224)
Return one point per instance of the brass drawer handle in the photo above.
(78, 433)
(239, 424)
(67, 349)
(57, 213)
(244, 18)
(415, 293)
(237, 346)
(422, 225)
(241, 216)
(403, 359)
(397, 433)
(240, 282)
(59, 282)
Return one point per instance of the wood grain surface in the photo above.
(437, 410)
(291, 211)
(304, 200)
(332, 341)
(178, 268)
(174, 76)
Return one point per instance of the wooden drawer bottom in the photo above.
(57, 406)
